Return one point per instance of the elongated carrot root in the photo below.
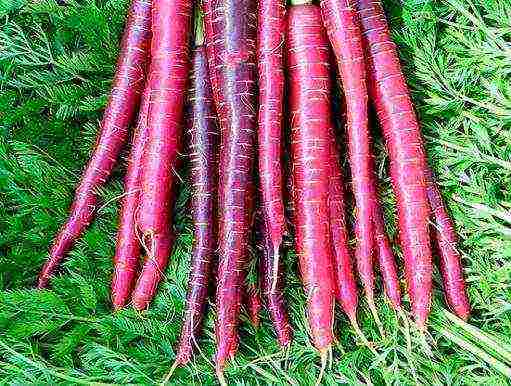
(127, 87)
(167, 80)
(127, 250)
(345, 285)
(401, 130)
(387, 261)
(202, 136)
(311, 122)
(450, 258)
(254, 304)
(231, 47)
(271, 26)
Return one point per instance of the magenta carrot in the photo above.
(128, 85)
(345, 285)
(270, 47)
(254, 304)
(231, 40)
(202, 136)
(386, 260)
(450, 258)
(309, 103)
(341, 23)
(167, 80)
(272, 294)
(401, 130)
(127, 251)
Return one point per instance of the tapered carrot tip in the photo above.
(220, 375)
(42, 284)
(324, 357)
(354, 324)
(420, 320)
(462, 313)
(173, 368)
(374, 312)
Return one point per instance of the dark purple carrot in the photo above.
(450, 258)
(270, 47)
(202, 137)
(168, 77)
(127, 250)
(401, 130)
(273, 297)
(124, 99)
(308, 67)
(231, 44)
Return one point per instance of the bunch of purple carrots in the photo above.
(245, 89)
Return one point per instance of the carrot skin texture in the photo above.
(168, 80)
(254, 304)
(386, 260)
(309, 99)
(202, 137)
(273, 297)
(127, 250)
(450, 259)
(345, 284)
(128, 85)
(231, 32)
(401, 130)
(270, 47)
(346, 38)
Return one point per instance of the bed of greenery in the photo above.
(56, 65)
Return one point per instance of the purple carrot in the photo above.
(231, 44)
(124, 99)
(127, 250)
(202, 142)
(270, 47)
(169, 72)
(450, 259)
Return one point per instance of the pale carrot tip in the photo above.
(421, 325)
(353, 320)
(173, 368)
(324, 357)
(220, 375)
(377, 320)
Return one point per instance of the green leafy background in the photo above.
(56, 66)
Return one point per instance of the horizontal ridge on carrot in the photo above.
(391, 98)
(128, 85)
(311, 121)
(168, 78)
(127, 251)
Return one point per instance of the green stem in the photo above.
(494, 363)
